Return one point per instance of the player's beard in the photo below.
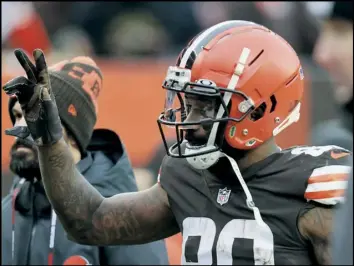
(225, 147)
(194, 140)
(25, 164)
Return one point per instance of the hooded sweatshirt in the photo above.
(32, 234)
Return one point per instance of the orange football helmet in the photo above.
(254, 72)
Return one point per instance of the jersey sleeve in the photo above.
(329, 180)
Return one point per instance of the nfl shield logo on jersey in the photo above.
(223, 196)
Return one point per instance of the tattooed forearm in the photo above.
(56, 161)
(316, 226)
(73, 198)
(89, 218)
(133, 218)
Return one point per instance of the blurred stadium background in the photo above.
(134, 42)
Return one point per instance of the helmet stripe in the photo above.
(196, 46)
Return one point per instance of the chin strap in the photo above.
(266, 255)
(249, 200)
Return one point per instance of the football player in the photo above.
(236, 196)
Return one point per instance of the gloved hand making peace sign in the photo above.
(37, 101)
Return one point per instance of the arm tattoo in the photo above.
(137, 215)
(316, 226)
(128, 218)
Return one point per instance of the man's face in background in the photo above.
(24, 154)
(334, 52)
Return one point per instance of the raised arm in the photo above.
(128, 218)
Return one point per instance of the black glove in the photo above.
(37, 101)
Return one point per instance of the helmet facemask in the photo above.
(192, 112)
(213, 115)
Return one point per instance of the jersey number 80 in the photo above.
(205, 228)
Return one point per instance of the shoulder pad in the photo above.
(327, 184)
(328, 180)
